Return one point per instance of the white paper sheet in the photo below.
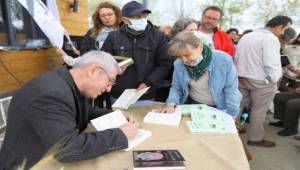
(172, 119)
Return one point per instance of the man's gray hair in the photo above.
(104, 59)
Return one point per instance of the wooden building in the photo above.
(18, 64)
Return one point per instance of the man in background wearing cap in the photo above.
(52, 109)
(147, 46)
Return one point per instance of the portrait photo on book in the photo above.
(158, 159)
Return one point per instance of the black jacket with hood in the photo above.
(148, 49)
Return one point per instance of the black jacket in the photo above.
(46, 110)
(88, 43)
(149, 52)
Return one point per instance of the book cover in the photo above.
(158, 159)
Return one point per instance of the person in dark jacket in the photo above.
(106, 18)
(54, 106)
(147, 46)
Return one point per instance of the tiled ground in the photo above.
(283, 157)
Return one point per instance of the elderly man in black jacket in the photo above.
(146, 45)
(54, 106)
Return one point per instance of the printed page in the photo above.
(116, 119)
(172, 119)
(128, 97)
(139, 94)
(124, 101)
(111, 120)
(140, 137)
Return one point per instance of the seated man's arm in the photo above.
(53, 119)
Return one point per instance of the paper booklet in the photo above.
(128, 97)
(116, 119)
(128, 62)
(207, 120)
(172, 119)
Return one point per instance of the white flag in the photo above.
(52, 6)
(45, 20)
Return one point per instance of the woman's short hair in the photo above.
(178, 45)
(296, 41)
(289, 34)
(98, 24)
(181, 25)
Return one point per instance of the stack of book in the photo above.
(158, 160)
(208, 120)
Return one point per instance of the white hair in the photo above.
(104, 59)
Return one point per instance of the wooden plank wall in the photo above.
(75, 22)
(17, 67)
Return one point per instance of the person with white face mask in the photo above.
(202, 76)
(138, 39)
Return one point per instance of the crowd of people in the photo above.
(224, 70)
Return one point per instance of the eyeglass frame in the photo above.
(105, 15)
(211, 18)
(112, 81)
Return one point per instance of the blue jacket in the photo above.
(223, 83)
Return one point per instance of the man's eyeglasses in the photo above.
(211, 18)
(112, 81)
(108, 14)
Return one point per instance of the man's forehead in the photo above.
(213, 12)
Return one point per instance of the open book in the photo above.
(116, 119)
(128, 97)
(172, 119)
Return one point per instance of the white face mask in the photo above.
(138, 24)
(199, 59)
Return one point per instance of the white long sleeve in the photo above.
(258, 56)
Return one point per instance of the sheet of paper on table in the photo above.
(172, 119)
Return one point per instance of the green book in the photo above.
(208, 120)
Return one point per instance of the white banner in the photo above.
(49, 24)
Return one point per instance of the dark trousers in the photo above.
(287, 108)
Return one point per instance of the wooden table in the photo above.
(202, 152)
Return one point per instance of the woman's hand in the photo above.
(169, 108)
